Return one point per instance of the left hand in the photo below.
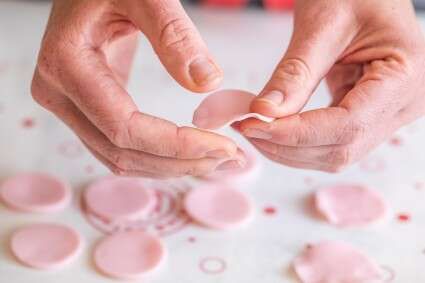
(372, 57)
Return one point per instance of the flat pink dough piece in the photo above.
(35, 192)
(335, 262)
(225, 107)
(350, 205)
(45, 246)
(128, 255)
(218, 207)
(237, 176)
(118, 199)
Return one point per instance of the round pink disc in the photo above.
(350, 205)
(224, 107)
(118, 199)
(35, 192)
(219, 208)
(128, 255)
(335, 262)
(45, 246)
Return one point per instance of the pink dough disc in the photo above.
(35, 192)
(218, 208)
(225, 107)
(350, 205)
(238, 176)
(45, 246)
(128, 255)
(336, 262)
(118, 199)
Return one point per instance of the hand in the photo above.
(372, 56)
(82, 69)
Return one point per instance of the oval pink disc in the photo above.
(350, 205)
(35, 192)
(128, 255)
(219, 208)
(118, 199)
(335, 262)
(45, 246)
(224, 107)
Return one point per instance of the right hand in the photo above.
(81, 74)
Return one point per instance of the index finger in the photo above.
(93, 87)
(326, 126)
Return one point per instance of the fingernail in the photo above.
(257, 134)
(274, 97)
(229, 165)
(218, 153)
(203, 71)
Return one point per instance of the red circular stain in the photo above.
(191, 239)
(396, 141)
(28, 123)
(269, 210)
(419, 185)
(403, 217)
(212, 265)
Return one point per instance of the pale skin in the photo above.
(369, 52)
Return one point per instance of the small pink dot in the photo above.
(396, 141)
(269, 210)
(420, 185)
(403, 217)
(191, 239)
(28, 123)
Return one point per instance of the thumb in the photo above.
(314, 48)
(177, 43)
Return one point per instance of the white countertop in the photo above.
(247, 44)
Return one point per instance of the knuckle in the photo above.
(175, 34)
(117, 136)
(339, 158)
(352, 132)
(293, 70)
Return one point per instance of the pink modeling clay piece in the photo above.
(128, 255)
(118, 199)
(350, 205)
(217, 207)
(225, 107)
(45, 246)
(35, 192)
(337, 263)
(236, 176)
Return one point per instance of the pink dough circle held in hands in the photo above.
(225, 107)
(218, 207)
(335, 262)
(35, 192)
(117, 199)
(350, 205)
(45, 246)
(128, 255)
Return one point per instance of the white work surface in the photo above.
(247, 44)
